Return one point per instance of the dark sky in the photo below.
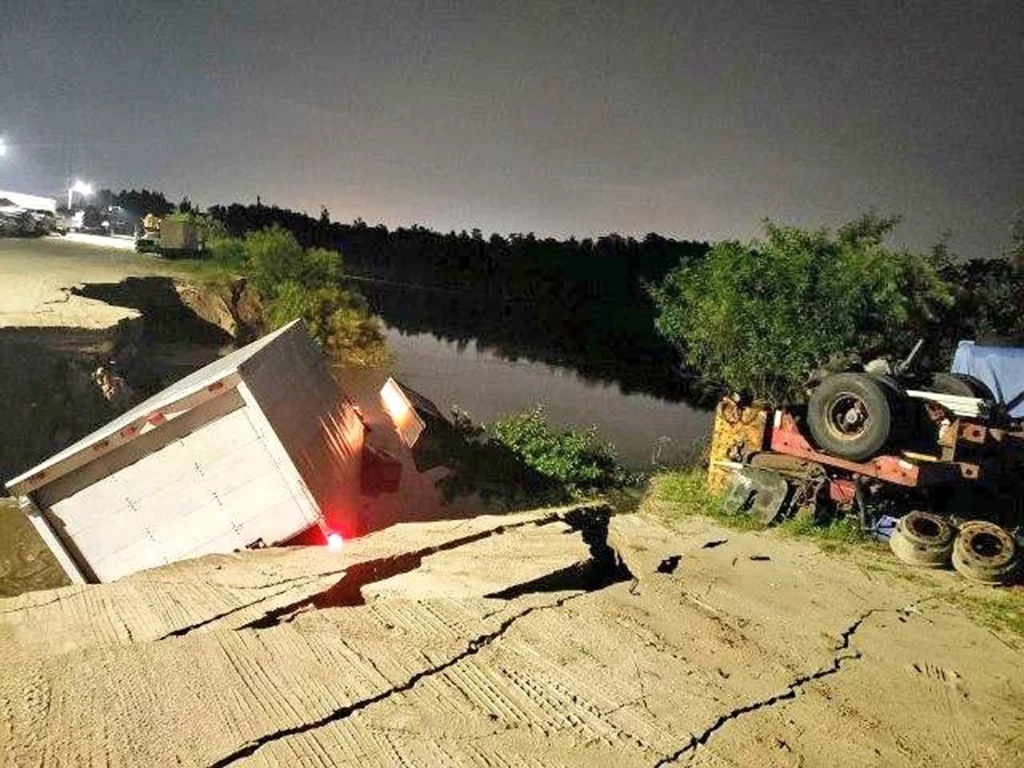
(693, 119)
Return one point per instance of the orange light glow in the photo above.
(334, 541)
(396, 405)
(408, 424)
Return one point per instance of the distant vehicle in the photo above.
(168, 237)
(91, 221)
(17, 222)
(121, 221)
(45, 222)
(64, 222)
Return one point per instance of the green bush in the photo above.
(573, 459)
(228, 252)
(293, 282)
(336, 318)
(760, 317)
(274, 257)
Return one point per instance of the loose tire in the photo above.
(923, 539)
(960, 384)
(986, 553)
(850, 415)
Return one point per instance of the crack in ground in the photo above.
(347, 591)
(473, 647)
(182, 631)
(791, 690)
(590, 522)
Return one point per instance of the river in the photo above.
(643, 428)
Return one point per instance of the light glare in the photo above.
(334, 541)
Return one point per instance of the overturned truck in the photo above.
(946, 449)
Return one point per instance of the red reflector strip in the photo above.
(156, 418)
(215, 386)
(101, 445)
(127, 432)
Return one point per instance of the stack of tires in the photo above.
(979, 551)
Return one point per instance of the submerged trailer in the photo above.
(249, 451)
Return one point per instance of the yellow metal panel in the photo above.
(739, 431)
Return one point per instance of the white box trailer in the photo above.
(253, 449)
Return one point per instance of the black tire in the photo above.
(986, 553)
(958, 384)
(850, 415)
(923, 539)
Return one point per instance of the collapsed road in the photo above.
(555, 637)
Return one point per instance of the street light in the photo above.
(81, 188)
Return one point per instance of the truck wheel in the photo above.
(850, 415)
(986, 553)
(923, 539)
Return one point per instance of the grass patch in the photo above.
(1000, 609)
(206, 272)
(833, 535)
(681, 494)
(674, 495)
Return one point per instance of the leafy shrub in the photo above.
(574, 459)
(293, 282)
(760, 317)
(274, 257)
(228, 252)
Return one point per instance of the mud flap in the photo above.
(759, 493)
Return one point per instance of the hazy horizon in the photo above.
(692, 120)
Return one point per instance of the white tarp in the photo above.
(31, 202)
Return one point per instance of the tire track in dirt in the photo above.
(604, 568)
(473, 647)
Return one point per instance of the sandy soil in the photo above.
(513, 640)
(36, 276)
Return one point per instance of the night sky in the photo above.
(691, 119)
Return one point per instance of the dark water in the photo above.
(644, 428)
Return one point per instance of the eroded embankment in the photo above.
(59, 384)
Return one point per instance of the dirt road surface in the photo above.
(36, 276)
(545, 638)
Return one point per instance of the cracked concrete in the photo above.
(791, 691)
(545, 638)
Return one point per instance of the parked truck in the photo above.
(170, 237)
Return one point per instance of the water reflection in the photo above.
(645, 429)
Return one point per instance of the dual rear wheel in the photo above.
(979, 551)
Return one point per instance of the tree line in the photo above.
(580, 303)
(641, 312)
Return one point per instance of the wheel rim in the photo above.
(848, 416)
(986, 545)
(925, 527)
